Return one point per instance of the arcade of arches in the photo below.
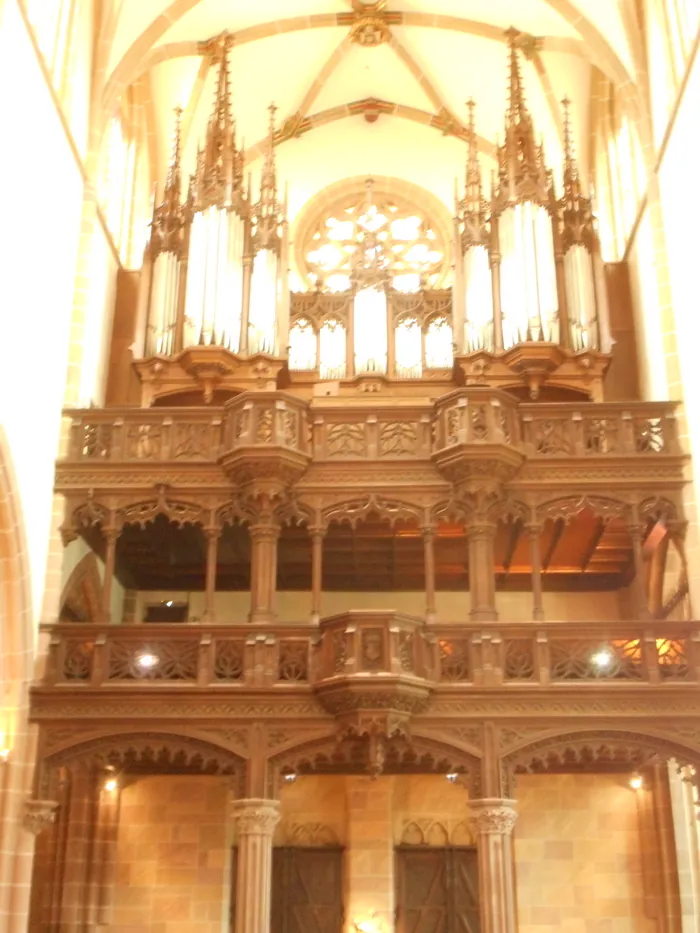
(349, 446)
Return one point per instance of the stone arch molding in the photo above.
(417, 754)
(604, 748)
(149, 752)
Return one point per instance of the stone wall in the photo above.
(172, 871)
(577, 851)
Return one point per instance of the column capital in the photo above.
(256, 816)
(38, 814)
(492, 815)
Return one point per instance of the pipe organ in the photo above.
(527, 300)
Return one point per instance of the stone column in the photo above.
(369, 856)
(492, 821)
(256, 820)
(317, 536)
(429, 557)
(534, 532)
(264, 534)
(212, 536)
(482, 578)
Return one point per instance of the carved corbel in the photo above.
(38, 814)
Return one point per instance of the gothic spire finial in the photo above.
(517, 108)
(168, 216)
(474, 206)
(267, 213)
(569, 160)
(219, 173)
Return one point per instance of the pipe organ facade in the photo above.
(526, 288)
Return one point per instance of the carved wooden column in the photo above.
(245, 297)
(639, 586)
(212, 533)
(256, 820)
(111, 533)
(317, 535)
(429, 557)
(481, 532)
(495, 257)
(492, 820)
(264, 534)
(534, 530)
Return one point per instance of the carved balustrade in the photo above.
(376, 430)
(358, 650)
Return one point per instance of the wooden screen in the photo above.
(307, 890)
(437, 890)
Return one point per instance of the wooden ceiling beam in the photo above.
(593, 544)
(515, 532)
(556, 538)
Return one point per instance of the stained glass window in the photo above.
(412, 244)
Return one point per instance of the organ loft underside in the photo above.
(373, 578)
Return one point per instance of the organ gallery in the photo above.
(358, 465)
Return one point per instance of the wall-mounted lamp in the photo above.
(603, 658)
(146, 660)
(111, 784)
(290, 777)
(636, 782)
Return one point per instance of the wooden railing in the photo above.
(383, 431)
(548, 655)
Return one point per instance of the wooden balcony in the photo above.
(377, 430)
(401, 444)
(543, 657)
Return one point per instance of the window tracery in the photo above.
(411, 242)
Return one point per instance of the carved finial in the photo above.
(568, 140)
(522, 173)
(576, 209)
(474, 206)
(267, 212)
(219, 173)
(517, 108)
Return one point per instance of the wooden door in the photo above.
(437, 890)
(307, 890)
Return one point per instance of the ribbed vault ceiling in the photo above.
(437, 54)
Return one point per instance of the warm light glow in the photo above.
(371, 924)
(111, 785)
(603, 658)
(4, 755)
(636, 782)
(290, 778)
(147, 661)
(452, 777)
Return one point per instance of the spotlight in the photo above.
(169, 603)
(290, 778)
(111, 785)
(452, 777)
(147, 661)
(603, 658)
(636, 782)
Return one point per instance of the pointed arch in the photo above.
(81, 598)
